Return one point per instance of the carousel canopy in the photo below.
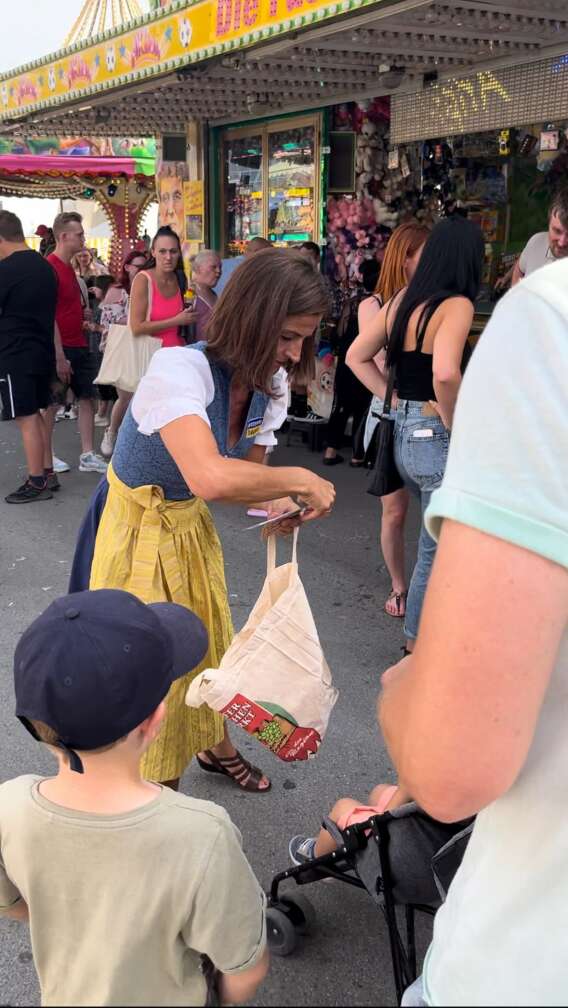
(66, 177)
(98, 16)
(68, 166)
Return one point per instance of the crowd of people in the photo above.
(473, 715)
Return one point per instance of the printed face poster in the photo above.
(169, 183)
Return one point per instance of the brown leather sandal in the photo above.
(244, 774)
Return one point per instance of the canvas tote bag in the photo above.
(274, 680)
(126, 357)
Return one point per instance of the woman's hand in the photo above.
(319, 498)
(278, 507)
(185, 317)
(436, 407)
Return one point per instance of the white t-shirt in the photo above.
(501, 936)
(536, 253)
(179, 383)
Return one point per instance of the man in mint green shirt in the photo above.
(476, 719)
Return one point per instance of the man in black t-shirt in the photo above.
(28, 293)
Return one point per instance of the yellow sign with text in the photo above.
(158, 44)
(194, 210)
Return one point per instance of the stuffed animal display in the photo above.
(359, 224)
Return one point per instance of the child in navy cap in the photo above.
(135, 894)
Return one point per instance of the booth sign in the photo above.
(157, 44)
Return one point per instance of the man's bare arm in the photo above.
(459, 715)
(517, 273)
(62, 365)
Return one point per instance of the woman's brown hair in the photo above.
(404, 241)
(250, 315)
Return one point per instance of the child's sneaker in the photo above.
(90, 462)
(301, 849)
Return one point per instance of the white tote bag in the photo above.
(126, 357)
(274, 680)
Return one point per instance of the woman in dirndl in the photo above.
(197, 430)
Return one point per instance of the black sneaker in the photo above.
(52, 482)
(28, 492)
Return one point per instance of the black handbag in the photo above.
(385, 477)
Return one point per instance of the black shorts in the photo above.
(106, 393)
(85, 369)
(24, 394)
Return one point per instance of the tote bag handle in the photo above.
(271, 552)
(150, 299)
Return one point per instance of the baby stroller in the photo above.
(402, 858)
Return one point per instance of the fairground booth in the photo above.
(307, 120)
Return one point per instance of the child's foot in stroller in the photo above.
(302, 849)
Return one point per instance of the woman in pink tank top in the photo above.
(156, 302)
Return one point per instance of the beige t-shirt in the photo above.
(123, 906)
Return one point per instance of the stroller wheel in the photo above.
(302, 912)
(280, 931)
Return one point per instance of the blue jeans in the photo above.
(421, 451)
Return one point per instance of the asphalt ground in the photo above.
(346, 960)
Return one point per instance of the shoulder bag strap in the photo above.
(150, 295)
(389, 391)
(150, 298)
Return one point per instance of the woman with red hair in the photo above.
(400, 261)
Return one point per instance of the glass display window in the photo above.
(271, 183)
(291, 184)
(243, 171)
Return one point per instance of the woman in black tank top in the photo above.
(425, 331)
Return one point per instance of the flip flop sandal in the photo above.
(398, 598)
(243, 773)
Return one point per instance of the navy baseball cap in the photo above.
(95, 664)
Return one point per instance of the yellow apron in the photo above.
(168, 551)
